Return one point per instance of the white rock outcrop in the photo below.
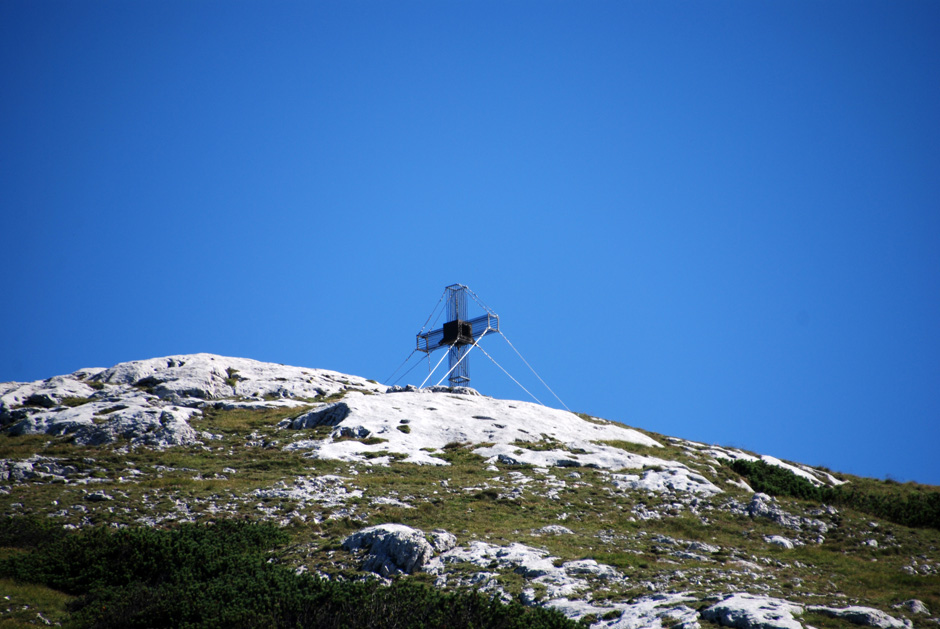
(865, 616)
(391, 549)
(914, 606)
(150, 402)
(653, 612)
(533, 564)
(749, 611)
(415, 425)
(211, 377)
(764, 506)
(328, 490)
(46, 468)
(672, 479)
(780, 540)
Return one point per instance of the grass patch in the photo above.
(23, 603)
(232, 378)
(546, 443)
(593, 420)
(633, 448)
(72, 402)
(240, 421)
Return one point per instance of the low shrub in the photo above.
(915, 507)
(226, 574)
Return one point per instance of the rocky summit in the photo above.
(612, 526)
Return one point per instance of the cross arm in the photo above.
(444, 337)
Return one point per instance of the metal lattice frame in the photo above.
(459, 333)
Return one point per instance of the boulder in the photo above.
(670, 480)
(327, 416)
(763, 506)
(749, 611)
(914, 606)
(442, 541)
(589, 567)
(554, 529)
(531, 563)
(354, 432)
(702, 547)
(42, 400)
(15, 470)
(865, 616)
(505, 459)
(779, 540)
(36, 466)
(391, 548)
(661, 610)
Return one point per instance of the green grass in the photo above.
(22, 603)
(75, 401)
(240, 421)
(546, 443)
(593, 420)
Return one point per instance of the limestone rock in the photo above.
(391, 548)
(661, 610)
(779, 540)
(150, 402)
(702, 547)
(36, 467)
(914, 606)
(330, 415)
(554, 529)
(749, 611)
(532, 564)
(328, 490)
(498, 430)
(589, 567)
(865, 616)
(672, 479)
(442, 541)
(209, 377)
(764, 506)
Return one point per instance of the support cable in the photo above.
(533, 371)
(479, 301)
(510, 376)
(467, 353)
(433, 311)
(410, 369)
(401, 365)
(433, 370)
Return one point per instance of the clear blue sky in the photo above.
(716, 220)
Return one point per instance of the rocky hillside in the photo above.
(611, 525)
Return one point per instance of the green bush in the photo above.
(894, 502)
(775, 480)
(226, 575)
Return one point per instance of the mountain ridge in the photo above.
(610, 524)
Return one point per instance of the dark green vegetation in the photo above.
(225, 575)
(909, 504)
